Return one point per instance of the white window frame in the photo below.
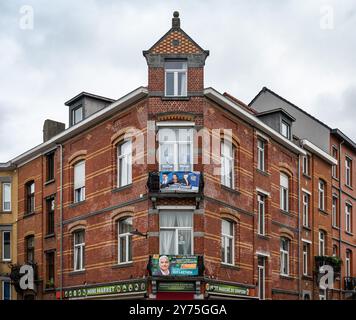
(306, 258)
(287, 125)
(334, 211)
(175, 75)
(348, 171)
(348, 217)
(306, 162)
(261, 154)
(224, 239)
(176, 233)
(284, 201)
(306, 209)
(3, 246)
(261, 272)
(74, 118)
(322, 239)
(348, 263)
(3, 289)
(4, 186)
(225, 180)
(126, 236)
(261, 207)
(80, 191)
(126, 159)
(321, 195)
(81, 248)
(176, 143)
(284, 256)
(334, 166)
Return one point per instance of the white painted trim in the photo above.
(176, 207)
(259, 190)
(307, 241)
(264, 137)
(320, 153)
(306, 191)
(263, 254)
(253, 120)
(175, 124)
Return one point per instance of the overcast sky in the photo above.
(303, 50)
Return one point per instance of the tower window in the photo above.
(176, 78)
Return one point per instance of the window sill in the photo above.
(335, 178)
(349, 187)
(307, 277)
(5, 212)
(263, 172)
(287, 213)
(323, 212)
(78, 272)
(263, 236)
(49, 182)
(307, 176)
(349, 233)
(335, 227)
(230, 189)
(118, 189)
(286, 277)
(122, 265)
(50, 289)
(75, 204)
(48, 236)
(6, 260)
(307, 228)
(29, 214)
(230, 266)
(165, 98)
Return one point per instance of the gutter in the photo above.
(320, 153)
(238, 110)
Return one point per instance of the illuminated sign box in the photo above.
(179, 181)
(168, 265)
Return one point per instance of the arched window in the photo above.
(124, 163)
(322, 241)
(348, 263)
(284, 192)
(125, 240)
(79, 249)
(284, 255)
(30, 197)
(30, 248)
(227, 164)
(227, 242)
(79, 181)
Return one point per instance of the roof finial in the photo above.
(175, 20)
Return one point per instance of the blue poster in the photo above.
(179, 181)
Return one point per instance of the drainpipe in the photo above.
(61, 220)
(340, 208)
(299, 233)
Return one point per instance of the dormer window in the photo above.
(285, 129)
(77, 115)
(176, 78)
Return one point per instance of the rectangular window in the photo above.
(79, 181)
(321, 243)
(348, 264)
(77, 115)
(30, 249)
(6, 245)
(261, 277)
(348, 171)
(30, 192)
(335, 166)
(227, 165)
(321, 195)
(125, 240)
(50, 205)
(6, 196)
(79, 247)
(6, 290)
(306, 251)
(284, 192)
(261, 214)
(124, 160)
(306, 162)
(261, 155)
(50, 269)
(176, 232)
(305, 210)
(176, 78)
(176, 149)
(334, 212)
(348, 218)
(284, 256)
(227, 242)
(285, 129)
(334, 251)
(50, 166)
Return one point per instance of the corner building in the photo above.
(172, 169)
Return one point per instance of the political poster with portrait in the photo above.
(179, 181)
(170, 265)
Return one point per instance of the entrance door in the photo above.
(261, 277)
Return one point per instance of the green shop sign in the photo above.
(227, 289)
(176, 287)
(121, 288)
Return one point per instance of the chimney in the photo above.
(175, 20)
(51, 128)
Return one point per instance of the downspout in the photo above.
(61, 220)
(340, 208)
(299, 233)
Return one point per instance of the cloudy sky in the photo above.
(303, 50)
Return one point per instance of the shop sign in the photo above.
(227, 289)
(176, 287)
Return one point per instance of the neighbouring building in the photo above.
(8, 231)
(178, 191)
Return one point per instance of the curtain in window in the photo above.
(79, 175)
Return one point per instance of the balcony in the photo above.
(350, 283)
(332, 261)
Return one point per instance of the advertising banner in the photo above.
(226, 289)
(167, 265)
(179, 181)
